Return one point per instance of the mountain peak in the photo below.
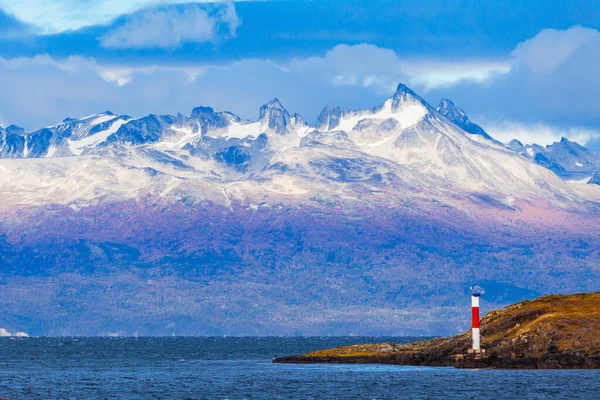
(403, 89)
(275, 103)
(566, 144)
(202, 111)
(275, 115)
(516, 145)
(454, 113)
(446, 103)
(208, 118)
(404, 95)
(14, 129)
(458, 116)
(566, 158)
(329, 118)
(572, 144)
(564, 140)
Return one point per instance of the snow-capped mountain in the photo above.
(404, 140)
(567, 159)
(457, 115)
(71, 137)
(369, 222)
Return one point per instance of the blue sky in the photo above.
(520, 69)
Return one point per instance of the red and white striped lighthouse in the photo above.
(475, 295)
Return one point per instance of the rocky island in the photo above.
(551, 332)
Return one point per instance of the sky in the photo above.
(526, 70)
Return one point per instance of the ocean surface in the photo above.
(241, 368)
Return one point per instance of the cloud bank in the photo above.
(358, 76)
(169, 27)
(50, 17)
(381, 69)
(546, 88)
(553, 79)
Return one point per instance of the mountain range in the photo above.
(369, 222)
(567, 159)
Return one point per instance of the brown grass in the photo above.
(526, 329)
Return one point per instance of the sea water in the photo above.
(241, 368)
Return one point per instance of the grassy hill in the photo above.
(557, 331)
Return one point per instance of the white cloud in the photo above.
(45, 90)
(169, 27)
(551, 48)
(563, 96)
(539, 133)
(381, 69)
(350, 76)
(438, 74)
(123, 75)
(63, 15)
(553, 79)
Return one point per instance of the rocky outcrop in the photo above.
(329, 118)
(565, 158)
(552, 332)
(457, 115)
(276, 117)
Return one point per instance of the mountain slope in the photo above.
(404, 137)
(567, 159)
(457, 115)
(373, 220)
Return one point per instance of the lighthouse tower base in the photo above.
(478, 351)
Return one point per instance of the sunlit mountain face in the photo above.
(368, 222)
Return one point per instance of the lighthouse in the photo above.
(475, 295)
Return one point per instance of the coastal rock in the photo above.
(552, 332)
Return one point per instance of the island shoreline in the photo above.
(551, 332)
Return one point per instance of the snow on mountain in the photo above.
(565, 158)
(369, 222)
(404, 145)
(457, 115)
(404, 108)
(573, 157)
(12, 142)
(409, 132)
(71, 137)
